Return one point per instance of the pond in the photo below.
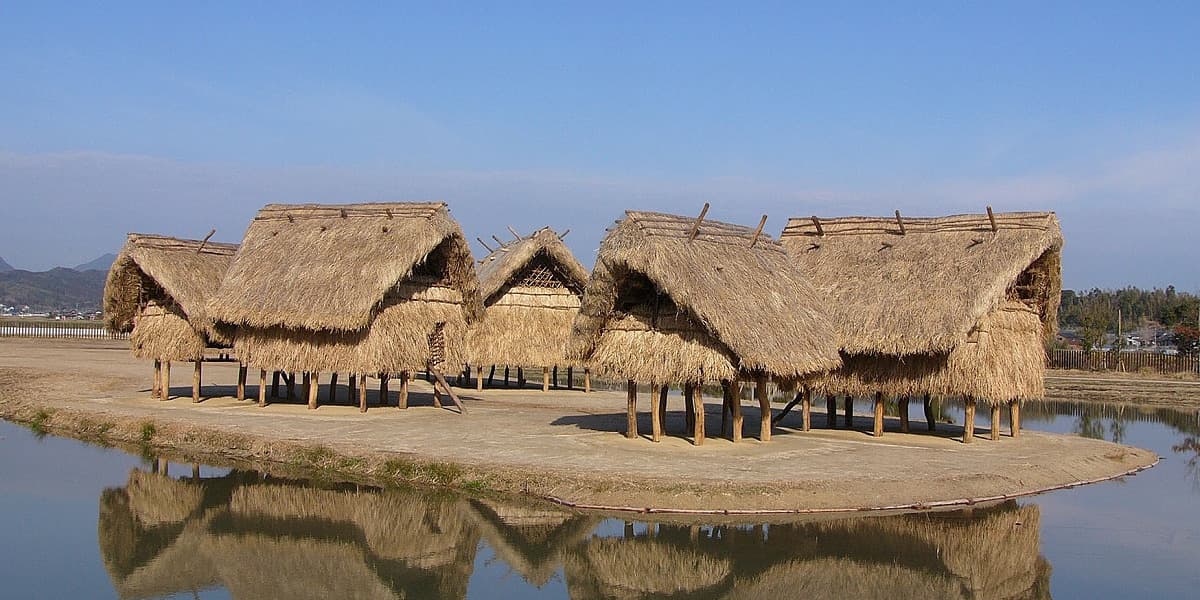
(82, 521)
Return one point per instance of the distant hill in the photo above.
(4, 266)
(56, 289)
(101, 263)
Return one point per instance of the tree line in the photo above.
(1094, 314)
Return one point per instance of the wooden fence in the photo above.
(1122, 361)
(73, 330)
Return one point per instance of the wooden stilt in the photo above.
(383, 388)
(545, 379)
(655, 414)
(312, 381)
(554, 377)
(662, 404)
(995, 422)
(689, 410)
(241, 385)
(352, 386)
(196, 381)
(290, 383)
(441, 379)
(696, 401)
(806, 410)
(848, 407)
(156, 389)
(764, 408)
(479, 378)
(491, 375)
(831, 411)
(587, 381)
(331, 397)
(969, 420)
(403, 402)
(1014, 418)
(166, 381)
(362, 392)
(437, 397)
(878, 430)
(726, 404)
(505, 376)
(195, 471)
(275, 384)
(735, 408)
(930, 418)
(631, 413)
(163, 466)
(262, 387)
(904, 414)
(570, 378)
(521, 377)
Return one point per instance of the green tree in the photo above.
(1096, 317)
(1187, 339)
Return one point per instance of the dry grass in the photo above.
(164, 333)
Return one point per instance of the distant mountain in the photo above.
(4, 266)
(56, 289)
(101, 263)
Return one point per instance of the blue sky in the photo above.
(174, 118)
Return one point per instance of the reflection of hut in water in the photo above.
(273, 539)
(156, 290)
(531, 290)
(529, 539)
(683, 300)
(949, 306)
(630, 568)
(363, 289)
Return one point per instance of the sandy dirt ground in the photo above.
(563, 445)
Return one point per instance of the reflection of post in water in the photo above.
(274, 538)
(530, 538)
(990, 553)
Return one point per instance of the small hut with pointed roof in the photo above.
(355, 288)
(948, 306)
(531, 290)
(682, 299)
(157, 290)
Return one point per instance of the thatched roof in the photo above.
(328, 267)
(660, 306)
(354, 287)
(180, 275)
(923, 291)
(532, 289)
(530, 540)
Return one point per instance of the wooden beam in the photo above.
(689, 410)
(563, 235)
(848, 407)
(205, 240)
(806, 410)
(817, 224)
(758, 232)
(900, 222)
(362, 392)
(262, 387)
(514, 232)
(166, 381)
(995, 422)
(570, 378)
(437, 394)
(156, 388)
(697, 404)
(545, 379)
(587, 381)
(1014, 418)
(831, 411)
(631, 409)
(764, 408)
(554, 377)
(662, 404)
(403, 401)
(196, 380)
(311, 383)
(331, 397)
(992, 219)
(655, 414)
(479, 378)
(499, 241)
(275, 384)
(484, 244)
(930, 418)
(904, 414)
(351, 386)
(383, 388)
(878, 429)
(241, 384)
(696, 225)
(735, 409)
(437, 373)
(968, 420)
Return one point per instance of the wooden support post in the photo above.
(904, 414)
(262, 387)
(383, 388)
(241, 385)
(352, 385)
(831, 411)
(506, 376)
(437, 394)
(662, 404)
(196, 381)
(968, 420)
(689, 410)
(479, 378)
(195, 471)
(726, 403)
(878, 430)
(166, 381)
(696, 401)
(587, 381)
(1014, 418)
(156, 389)
(521, 377)
(163, 466)
(631, 412)
(331, 397)
(439, 378)
(735, 408)
(806, 410)
(491, 375)
(290, 383)
(312, 383)
(570, 378)
(995, 422)
(362, 392)
(545, 379)
(554, 377)
(655, 414)
(275, 384)
(930, 418)
(848, 407)
(403, 401)
(764, 407)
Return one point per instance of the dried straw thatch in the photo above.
(362, 288)
(665, 306)
(944, 306)
(643, 568)
(531, 291)
(158, 289)
(530, 540)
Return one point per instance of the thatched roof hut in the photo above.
(157, 290)
(678, 299)
(531, 290)
(949, 306)
(359, 288)
(531, 540)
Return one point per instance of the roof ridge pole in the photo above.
(817, 224)
(205, 240)
(696, 225)
(758, 232)
(900, 222)
(992, 218)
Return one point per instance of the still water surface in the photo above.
(81, 521)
